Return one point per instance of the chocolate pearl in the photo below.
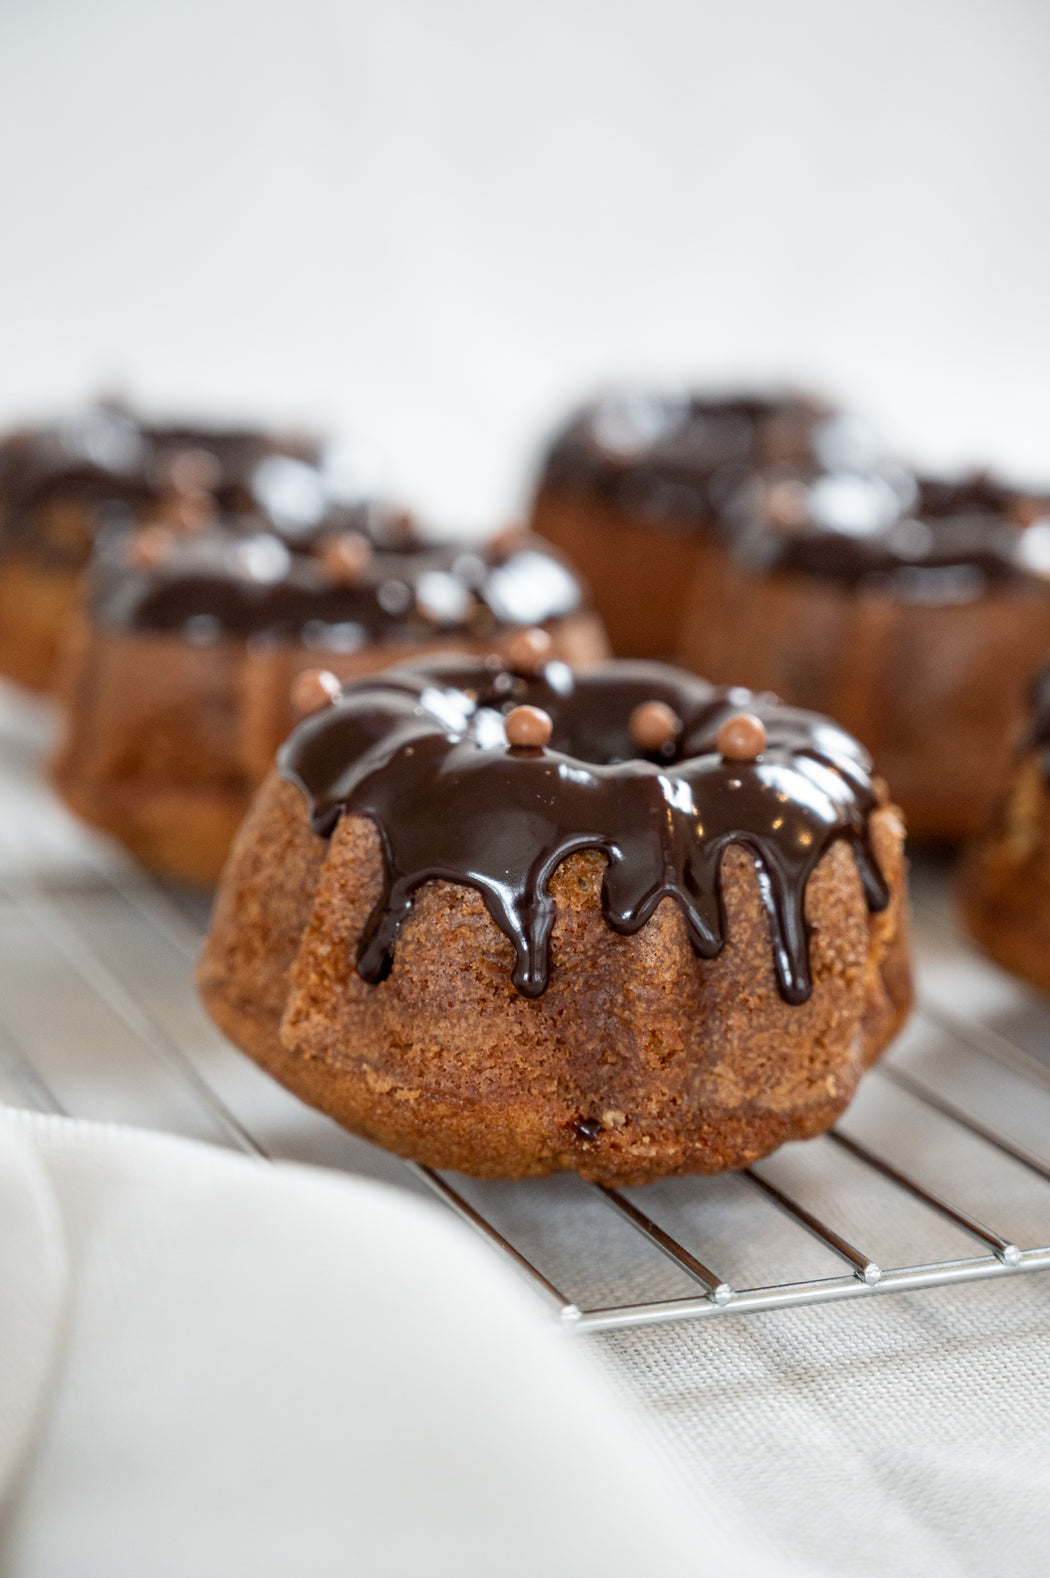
(653, 725)
(787, 504)
(150, 547)
(313, 689)
(404, 533)
(189, 511)
(1026, 511)
(528, 727)
(742, 738)
(193, 471)
(507, 542)
(346, 557)
(395, 530)
(528, 650)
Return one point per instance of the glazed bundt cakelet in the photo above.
(502, 917)
(632, 487)
(61, 485)
(56, 485)
(1004, 884)
(180, 674)
(887, 601)
(788, 551)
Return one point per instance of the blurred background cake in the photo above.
(180, 673)
(773, 542)
(914, 611)
(633, 486)
(62, 483)
(1004, 884)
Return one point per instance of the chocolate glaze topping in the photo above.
(238, 579)
(94, 463)
(671, 458)
(107, 464)
(790, 484)
(422, 751)
(921, 539)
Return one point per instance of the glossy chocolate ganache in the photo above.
(56, 482)
(61, 483)
(789, 483)
(478, 775)
(334, 591)
(919, 538)
(673, 458)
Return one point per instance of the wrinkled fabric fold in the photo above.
(272, 1370)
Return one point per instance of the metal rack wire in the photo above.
(72, 922)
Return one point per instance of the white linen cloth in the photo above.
(211, 1366)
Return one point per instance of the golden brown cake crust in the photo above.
(937, 693)
(36, 603)
(641, 577)
(1004, 882)
(671, 1064)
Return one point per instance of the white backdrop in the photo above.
(439, 220)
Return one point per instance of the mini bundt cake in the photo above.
(519, 920)
(1004, 884)
(912, 611)
(772, 543)
(56, 484)
(61, 485)
(632, 490)
(180, 676)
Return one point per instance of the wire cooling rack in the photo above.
(937, 1175)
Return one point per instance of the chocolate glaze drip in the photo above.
(421, 750)
(233, 580)
(922, 539)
